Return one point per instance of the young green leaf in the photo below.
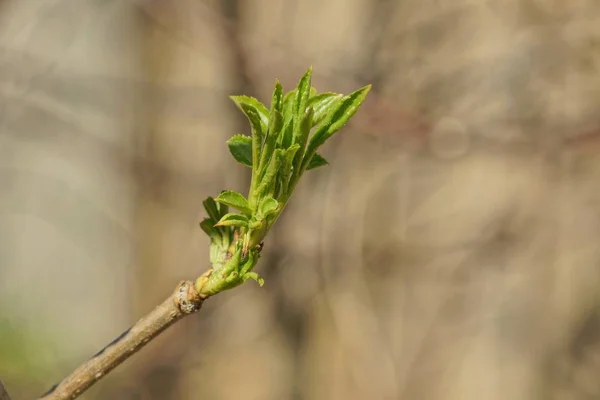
(316, 161)
(237, 220)
(302, 138)
(343, 111)
(240, 147)
(207, 226)
(251, 101)
(235, 200)
(276, 99)
(249, 262)
(257, 131)
(285, 138)
(323, 104)
(288, 103)
(287, 169)
(276, 120)
(254, 276)
(275, 125)
(269, 206)
(267, 183)
(302, 96)
(223, 208)
(313, 91)
(211, 208)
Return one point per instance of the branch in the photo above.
(185, 300)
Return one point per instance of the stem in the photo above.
(184, 301)
(253, 181)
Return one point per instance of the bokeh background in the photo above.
(450, 251)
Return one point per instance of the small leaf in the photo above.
(211, 208)
(235, 200)
(323, 104)
(302, 138)
(316, 161)
(207, 226)
(269, 206)
(276, 121)
(275, 125)
(313, 91)
(288, 103)
(223, 208)
(343, 111)
(254, 276)
(276, 99)
(231, 219)
(251, 101)
(267, 183)
(249, 263)
(287, 169)
(240, 147)
(301, 100)
(286, 136)
(257, 131)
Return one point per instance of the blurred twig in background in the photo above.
(3, 393)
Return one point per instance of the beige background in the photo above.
(450, 250)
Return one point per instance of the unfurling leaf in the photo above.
(223, 208)
(343, 111)
(287, 168)
(276, 99)
(254, 276)
(316, 161)
(288, 104)
(269, 206)
(301, 139)
(240, 147)
(237, 220)
(285, 138)
(275, 125)
(251, 101)
(211, 209)
(207, 226)
(257, 131)
(235, 200)
(323, 104)
(301, 97)
(302, 118)
(276, 121)
(248, 262)
(267, 183)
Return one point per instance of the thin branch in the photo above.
(3, 393)
(184, 301)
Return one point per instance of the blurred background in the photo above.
(450, 250)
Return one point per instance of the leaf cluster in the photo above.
(282, 146)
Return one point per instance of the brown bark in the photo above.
(185, 300)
